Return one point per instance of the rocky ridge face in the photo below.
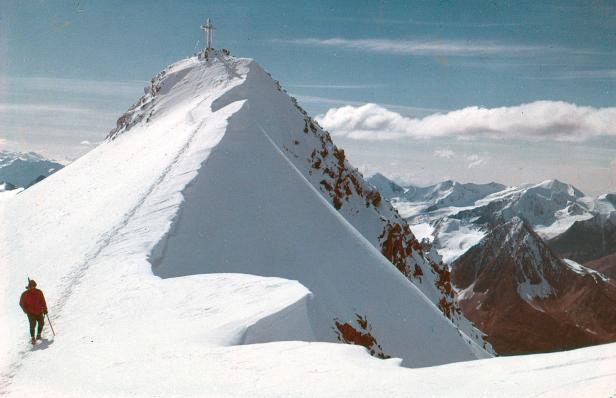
(357, 200)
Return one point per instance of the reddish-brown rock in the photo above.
(526, 299)
(362, 335)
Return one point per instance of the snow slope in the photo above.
(454, 237)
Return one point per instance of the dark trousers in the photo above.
(34, 319)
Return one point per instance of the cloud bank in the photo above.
(475, 161)
(427, 47)
(535, 121)
(600, 74)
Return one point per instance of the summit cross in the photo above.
(208, 31)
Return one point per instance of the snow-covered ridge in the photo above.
(311, 151)
(167, 193)
(582, 270)
(270, 120)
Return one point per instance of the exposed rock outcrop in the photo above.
(526, 299)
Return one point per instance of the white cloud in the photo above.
(414, 110)
(599, 74)
(540, 120)
(444, 153)
(46, 108)
(475, 161)
(380, 20)
(428, 47)
(338, 86)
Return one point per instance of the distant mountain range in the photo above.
(428, 200)
(449, 211)
(21, 170)
(516, 256)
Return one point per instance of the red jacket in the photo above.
(33, 302)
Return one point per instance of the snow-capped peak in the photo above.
(512, 241)
(556, 186)
(388, 188)
(185, 84)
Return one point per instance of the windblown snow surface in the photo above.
(143, 248)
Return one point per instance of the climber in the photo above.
(32, 302)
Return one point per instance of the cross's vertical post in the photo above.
(208, 30)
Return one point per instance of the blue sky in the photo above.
(69, 68)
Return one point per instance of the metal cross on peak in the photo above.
(208, 31)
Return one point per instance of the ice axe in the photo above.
(50, 325)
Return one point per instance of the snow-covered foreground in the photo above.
(179, 338)
(91, 233)
(140, 357)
